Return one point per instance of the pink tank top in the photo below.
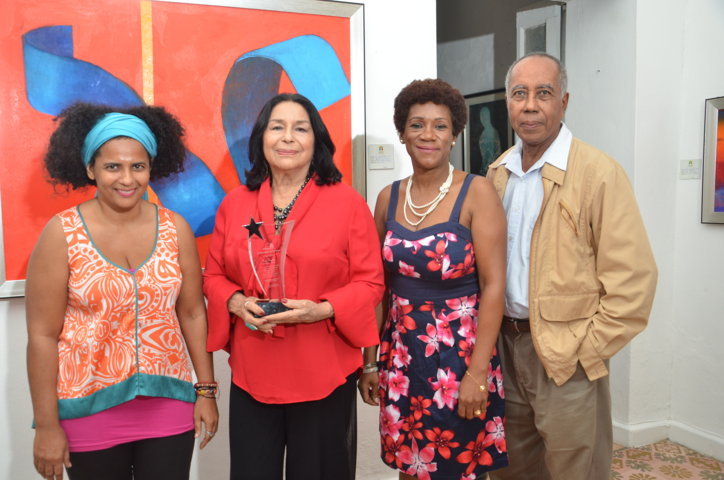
(138, 419)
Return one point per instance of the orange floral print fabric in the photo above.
(118, 322)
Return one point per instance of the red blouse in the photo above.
(333, 255)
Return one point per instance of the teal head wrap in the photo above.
(114, 125)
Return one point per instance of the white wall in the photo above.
(467, 63)
(639, 73)
(600, 57)
(400, 45)
(658, 71)
(697, 377)
(16, 441)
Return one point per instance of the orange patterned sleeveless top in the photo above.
(120, 336)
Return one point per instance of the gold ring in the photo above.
(477, 413)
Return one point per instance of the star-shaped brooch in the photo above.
(253, 228)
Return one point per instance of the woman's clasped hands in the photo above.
(298, 311)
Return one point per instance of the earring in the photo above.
(453, 143)
(402, 141)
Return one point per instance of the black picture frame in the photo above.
(486, 135)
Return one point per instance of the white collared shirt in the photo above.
(522, 202)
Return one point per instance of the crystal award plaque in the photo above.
(267, 257)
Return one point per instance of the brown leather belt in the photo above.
(514, 326)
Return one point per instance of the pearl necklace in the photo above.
(281, 214)
(417, 209)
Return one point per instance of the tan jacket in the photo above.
(592, 273)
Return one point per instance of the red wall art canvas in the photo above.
(212, 66)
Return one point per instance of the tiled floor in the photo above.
(659, 461)
(664, 461)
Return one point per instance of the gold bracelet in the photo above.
(481, 386)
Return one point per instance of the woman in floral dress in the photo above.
(439, 385)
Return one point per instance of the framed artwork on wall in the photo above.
(488, 133)
(712, 190)
(213, 64)
(540, 29)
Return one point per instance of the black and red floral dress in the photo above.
(426, 345)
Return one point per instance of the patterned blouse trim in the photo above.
(139, 384)
(95, 247)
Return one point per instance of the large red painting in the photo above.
(211, 66)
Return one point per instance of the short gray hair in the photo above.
(562, 74)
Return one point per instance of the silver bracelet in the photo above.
(370, 368)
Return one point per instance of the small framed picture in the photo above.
(488, 133)
(712, 191)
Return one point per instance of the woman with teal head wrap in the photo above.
(116, 317)
(118, 125)
(113, 125)
(85, 128)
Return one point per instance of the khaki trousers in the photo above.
(552, 432)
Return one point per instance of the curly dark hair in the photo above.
(322, 159)
(63, 160)
(432, 90)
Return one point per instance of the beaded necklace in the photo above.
(417, 209)
(281, 214)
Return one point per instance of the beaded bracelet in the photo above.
(207, 390)
(481, 386)
(370, 368)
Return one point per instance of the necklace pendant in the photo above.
(281, 214)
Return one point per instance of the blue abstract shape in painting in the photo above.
(55, 80)
(247, 88)
(310, 63)
(190, 191)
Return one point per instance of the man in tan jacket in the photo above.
(580, 282)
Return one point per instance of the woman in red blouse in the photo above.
(294, 372)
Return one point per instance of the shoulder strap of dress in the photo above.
(165, 227)
(71, 221)
(394, 194)
(164, 217)
(455, 215)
